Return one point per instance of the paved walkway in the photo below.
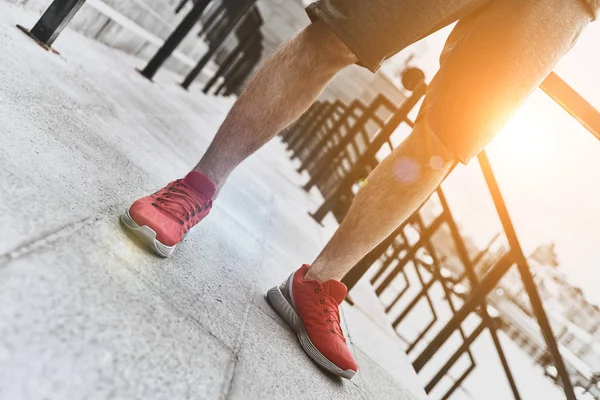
(84, 311)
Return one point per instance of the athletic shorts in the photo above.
(496, 55)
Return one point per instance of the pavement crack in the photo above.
(47, 239)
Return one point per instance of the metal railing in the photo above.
(228, 19)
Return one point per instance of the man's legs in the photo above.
(282, 89)
(496, 59)
(393, 191)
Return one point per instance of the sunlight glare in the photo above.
(529, 139)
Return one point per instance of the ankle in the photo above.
(214, 177)
(320, 273)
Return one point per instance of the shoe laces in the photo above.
(331, 311)
(180, 201)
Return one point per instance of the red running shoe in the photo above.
(311, 308)
(164, 218)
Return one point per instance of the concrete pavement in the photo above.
(84, 311)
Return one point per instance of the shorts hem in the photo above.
(316, 13)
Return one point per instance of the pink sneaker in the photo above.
(164, 218)
(311, 308)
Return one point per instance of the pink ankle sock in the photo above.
(201, 183)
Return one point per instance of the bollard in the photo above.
(184, 27)
(53, 21)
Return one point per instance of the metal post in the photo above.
(231, 59)
(303, 141)
(176, 37)
(354, 275)
(452, 360)
(180, 6)
(528, 282)
(488, 321)
(53, 21)
(489, 281)
(231, 73)
(382, 136)
(319, 166)
(573, 103)
(214, 19)
(240, 13)
(238, 79)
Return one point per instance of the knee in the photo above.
(427, 149)
(328, 49)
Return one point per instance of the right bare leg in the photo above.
(282, 89)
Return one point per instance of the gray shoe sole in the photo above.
(147, 235)
(284, 306)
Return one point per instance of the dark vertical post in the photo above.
(54, 20)
(211, 51)
(214, 18)
(184, 27)
(528, 282)
(230, 74)
(488, 321)
(229, 61)
(489, 281)
(180, 6)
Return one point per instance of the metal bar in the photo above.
(410, 253)
(316, 125)
(237, 69)
(573, 103)
(303, 141)
(367, 261)
(488, 283)
(447, 293)
(388, 260)
(184, 27)
(472, 276)
(528, 282)
(238, 79)
(428, 327)
(315, 110)
(231, 59)
(390, 126)
(214, 18)
(301, 122)
(230, 63)
(233, 75)
(454, 358)
(413, 303)
(227, 30)
(314, 120)
(458, 382)
(320, 165)
(53, 21)
(356, 105)
(180, 6)
(389, 307)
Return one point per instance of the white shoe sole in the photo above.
(147, 235)
(287, 310)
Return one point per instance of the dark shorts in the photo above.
(497, 54)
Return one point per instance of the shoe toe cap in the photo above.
(167, 231)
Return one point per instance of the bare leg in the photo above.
(394, 190)
(282, 89)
